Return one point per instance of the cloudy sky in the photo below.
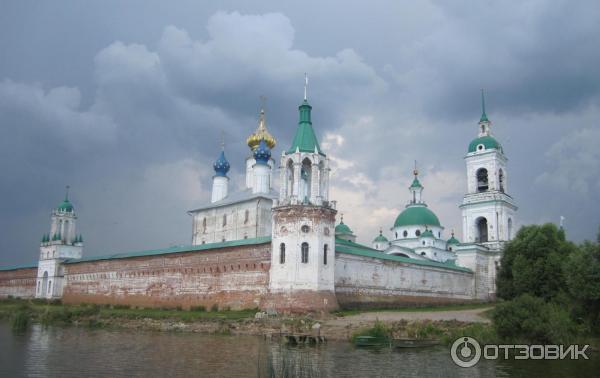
(126, 101)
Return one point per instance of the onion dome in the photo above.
(261, 134)
(453, 240)
(417, 214)
(342, 228)
(262, 153)
(380, 238)
(221, 166)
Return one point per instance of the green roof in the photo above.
(178, 249)
(417, 214)
(343, 246)
(380, 238)
(453, 240)
(305, 139)
(343, 229)
(20, 266)
(416, 183)
(488, 142)
(427, 233)
(65, 206)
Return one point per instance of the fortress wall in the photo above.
(235, 277)
(362, 281)
(18, 283)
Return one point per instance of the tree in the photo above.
(582, 271)
(533, 262)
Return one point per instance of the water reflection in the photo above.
(69, 352)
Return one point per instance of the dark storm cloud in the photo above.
(129, 110)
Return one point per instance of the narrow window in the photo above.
(282, 253)
(405, 233)
(224, 220)
(204, 225)
(418, 233)
(305, 252)
(325, 248)
(246, 216)
(49, 286)
(501, 179)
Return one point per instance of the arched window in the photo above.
(204, 225)
(422, 253)
(396, 235)
(501, 179)
(224, 220)
(325, 248)
(304, 252)
(418, 233)
(282, 253)
(405, 233)
(482, 230)
(305, 180)
(482, 180)
(49, 286)
(246, 216)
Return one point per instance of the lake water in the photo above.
(81, 352)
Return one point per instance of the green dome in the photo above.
(488, 142)
(65, 206)
(342, 229)
(417, 215)
(380, 238)
(453, 240)
(427, 233)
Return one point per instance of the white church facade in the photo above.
(259, 247)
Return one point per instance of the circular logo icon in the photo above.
(465, 352)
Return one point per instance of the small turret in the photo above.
(220, 179)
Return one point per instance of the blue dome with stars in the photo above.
(221, 166)
(262, 154)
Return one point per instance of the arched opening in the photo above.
(50, 287)
(204, 225)
(290, 178)
(322, 191)
(423, 253)
(325, 248)
(282, 253)
(510, 228)
(501, 180)
(400, 254)
(305, 180)
(482, 180)
(405, 233)
(246, 216)
(224, 220)
(304, 253)
(482, 230)
(45, 283)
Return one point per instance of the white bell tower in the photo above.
(488, 211)
(60, 244)
(303, 234)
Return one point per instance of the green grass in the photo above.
(55, 313)
(457, 307)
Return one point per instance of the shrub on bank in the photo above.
(530, 319)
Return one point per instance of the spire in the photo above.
(305, 139)
(67, 193)
(484, 117)
(305, 86)
(415, 188)
(416, 183)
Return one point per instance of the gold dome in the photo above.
(261, 133)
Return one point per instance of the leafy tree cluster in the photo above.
(551, 287)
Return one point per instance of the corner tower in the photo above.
(488, 211)
(60, 244)
(303, 242)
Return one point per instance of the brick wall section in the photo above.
(235, 277)
(18, 283)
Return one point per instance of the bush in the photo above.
(198, 308)
(379, 331)
(531, 319)
(121, 307)
(214, 308)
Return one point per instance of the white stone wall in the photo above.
(367, 277)
(485, 264)
(237, 226)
